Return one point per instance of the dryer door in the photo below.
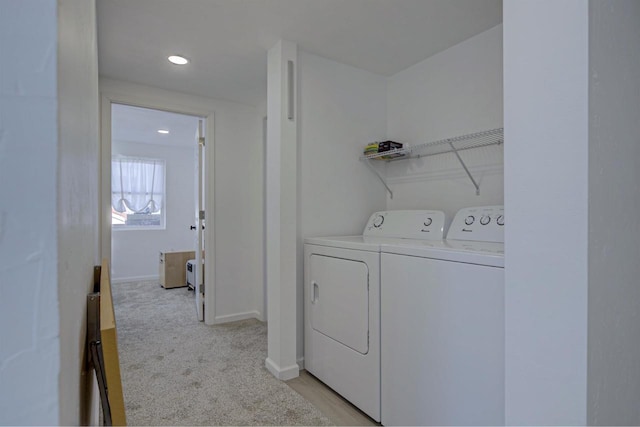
(339, 293)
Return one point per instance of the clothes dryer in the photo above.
(442, 325)
(342, 302)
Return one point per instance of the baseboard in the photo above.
(155, 278)
(300, 363)
(235, 317)
(283, 374)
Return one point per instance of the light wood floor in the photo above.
(331, 404)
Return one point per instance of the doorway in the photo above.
(156, 197)
(158, 143)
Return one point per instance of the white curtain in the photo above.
(137, 185)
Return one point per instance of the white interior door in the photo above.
(200, 218)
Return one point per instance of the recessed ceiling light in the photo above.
(178, 60)
(163, 131)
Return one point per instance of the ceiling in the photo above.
(227, 40)
(135, 124)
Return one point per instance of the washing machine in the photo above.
(442, 325)
(342, 302)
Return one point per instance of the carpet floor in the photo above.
(178, 371)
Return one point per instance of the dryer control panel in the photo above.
(406, 224)
(482, 224)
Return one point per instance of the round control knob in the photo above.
(485, 219)
(377, 221)
(469, 220)
(428, 222)
(500, 220)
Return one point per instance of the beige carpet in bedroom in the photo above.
(177, 371)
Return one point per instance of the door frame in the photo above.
(113, 92)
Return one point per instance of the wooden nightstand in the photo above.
(173, 268)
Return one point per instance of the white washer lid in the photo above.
(470, 252)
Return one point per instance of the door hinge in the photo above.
(201, 215)
(201, 141)
(201, 289)
(367, 338)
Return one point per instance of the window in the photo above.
(137, 193)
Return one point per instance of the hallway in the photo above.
(178, 371)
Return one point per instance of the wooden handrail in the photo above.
(109, 339)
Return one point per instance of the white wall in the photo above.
(614, 227)
(48, 215)
(341, 109)
(455, 92)
(239, 230)
(78, 184)
(238, 192)
(546, 83)
(29, 312)
(135, 253)
(281, 208)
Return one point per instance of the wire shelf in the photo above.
(443, 146)
(448, 145)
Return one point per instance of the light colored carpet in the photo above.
(178, 371)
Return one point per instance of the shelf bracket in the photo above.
(367, 162)
(455, 151)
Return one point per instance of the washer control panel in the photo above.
(482, 224)
(406, 224)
